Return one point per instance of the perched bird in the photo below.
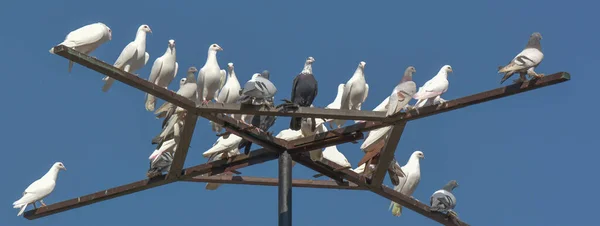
(258, 90)
(187, 89)
(332, 154)
(133, 57)
(526, 61)
(409, 182)
(230, 93)
(209, 76)
(435, 87)
(355, 93)
(86, 39)
(39, 189)
(399, 98)
(443, 200)
(336, 104)
(223, 144)
(163, 72)
(304, 91)
(288, 135)
(429, 102)
(264, 123)
(162, 158)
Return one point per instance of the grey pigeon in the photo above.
(526, 61)
(443, 200)
(263, 122)
(304, 92)
(258, 90)
(403, 92)
(187, 90)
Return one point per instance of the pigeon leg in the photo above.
(434, 209)
(533, 74)
(42, 202)
(453, 213)
(204, 102)
(521, 78)
(35, 207)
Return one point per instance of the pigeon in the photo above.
(39, 189)
(133, 57)
(163, 72)
(187, 89)
(169, 127)
(355, 93)
(399, 98)
(409, 182)
(162, 158)
(216, 157)
(258, 90)
(304, 91)
(435, 87)
(443, 200)
(526, 61)
(306, 129)
(209, 76)
(224, 144)
(332, 154)
(361, 169)
(429, 102)
(336, 104)
(230, 93)
(86, 39)
(263, 122)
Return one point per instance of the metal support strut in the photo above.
(285, 189)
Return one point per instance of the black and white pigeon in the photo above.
(526, 61)
(443, 200)
(304, 92)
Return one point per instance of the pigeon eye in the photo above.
(214, 45)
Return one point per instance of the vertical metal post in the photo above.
(285, 189)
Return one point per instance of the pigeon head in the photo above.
(447, 68)
(362, 65)
(408, 74)
(171, 43)
(215, 47)
(109, 32)
(418, 154)
(451, 185)
(145, 28)
(265, 74)
(536, 35)
(192, 69)
(255, 75)
(230, 65)
(534, 41)
(59, 165)
(310, 60)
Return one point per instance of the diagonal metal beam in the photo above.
(382, 190)
(216, 167)
(385, 158)
(440, 108)
(263, 181)
(183, 146)
(124, 77)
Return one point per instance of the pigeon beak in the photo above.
(64, 168)
(450, 70)
(149, 30)
(220, 49)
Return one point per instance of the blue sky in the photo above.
(522, 160)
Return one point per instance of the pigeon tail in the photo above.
(215, 127)
(107, 84)
(52, 50)
(70, 66)
(506, 76)
(212, 186)
(246, 145)
(396, 209)
(150, 102)
(23, 207)
(157, 139)
(295, 123)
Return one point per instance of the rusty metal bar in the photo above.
(216, 167)
(440, 108)
(264, 181)
(124, 77)
(379, 189)
(183, 146)
(285, 189)
(386, 156)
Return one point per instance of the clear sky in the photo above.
(523, 160)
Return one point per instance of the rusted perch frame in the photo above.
(382, 190)
(440, 108)
(183, 146)
(216, 167)
(169, 96)
(232, 179)
(388, 153)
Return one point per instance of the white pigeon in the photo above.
(526, 61)
(361, 169)
(331, 153)
(39, 189)
(209, 76)
(163, 72)
(187, 89)
(229, 93)
(336, 102)
(133, 57)
(396, 101)
(167, 146)
(86, 39)
(355, 93)
(435, 87)
(219, 156)
(408, 184)
(288, 135)
(224, 144)
(317, 154)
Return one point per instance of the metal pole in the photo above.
(285, 189)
